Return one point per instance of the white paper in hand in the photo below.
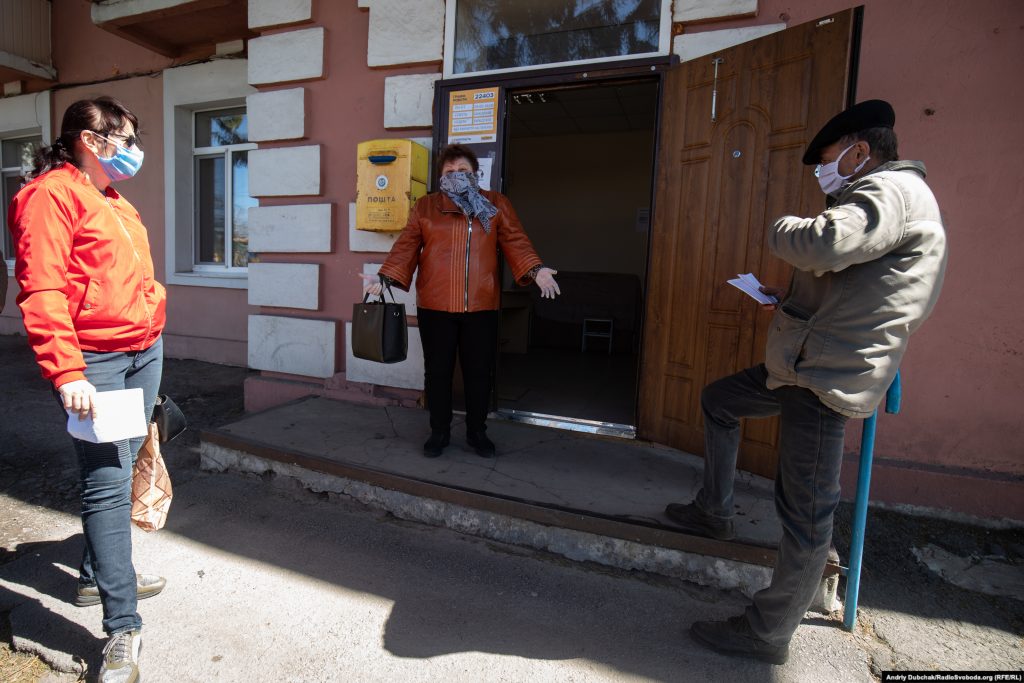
(121, 414)
(750, 285)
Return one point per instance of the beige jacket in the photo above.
(868, 272)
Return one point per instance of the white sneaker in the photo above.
(121, 658)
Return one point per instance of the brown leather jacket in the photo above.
(458, 262)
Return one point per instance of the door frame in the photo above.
(653, 68)
(565, 76)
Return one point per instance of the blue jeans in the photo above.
(106, 475)
(806, 486)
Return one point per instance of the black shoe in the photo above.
(695, 521)
(734, 637)
(435, 444)
(479, 442)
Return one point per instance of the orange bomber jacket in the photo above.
(82, 261)
(457, 260)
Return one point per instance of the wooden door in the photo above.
(720, 183)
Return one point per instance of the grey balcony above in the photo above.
(174, 28)
(25, 41)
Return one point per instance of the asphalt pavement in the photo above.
(267, 581)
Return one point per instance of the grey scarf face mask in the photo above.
(463, 189)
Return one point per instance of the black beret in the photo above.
(861, 116)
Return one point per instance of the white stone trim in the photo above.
(289, 56)
(289, 285)
(218, 83)
(367, 240)
(230, 47)
(401, 296)
(703, 10)
(407, 375)
(297, 346)
(296, 228)
(409, 100)
(264, 13)
(285, 171)
(692, 45)
(277, 114)
(404, 31)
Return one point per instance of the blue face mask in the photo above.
(124, 164)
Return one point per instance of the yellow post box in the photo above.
(390, 176)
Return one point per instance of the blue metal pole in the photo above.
(860, 517)
(893, 400)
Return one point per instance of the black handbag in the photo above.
(379, 329)
(170, 421)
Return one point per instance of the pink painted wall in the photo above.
(83, 52)
(957, 442)
(202, 322)
(346, 107)
(952, 72)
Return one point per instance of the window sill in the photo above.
(200, 279)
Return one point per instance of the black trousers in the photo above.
(474, 336)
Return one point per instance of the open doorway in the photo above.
(578, 168)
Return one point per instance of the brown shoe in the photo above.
(695, 521)
(146, 586)
(734, 637)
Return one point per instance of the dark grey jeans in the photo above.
(806, 486)
(106, 476)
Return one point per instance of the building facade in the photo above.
(646, 145)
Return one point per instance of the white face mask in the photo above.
(828, 174)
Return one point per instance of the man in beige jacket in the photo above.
(867, 272)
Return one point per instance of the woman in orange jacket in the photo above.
(94, 312)
(453, 238)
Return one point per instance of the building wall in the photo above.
(951, 71)
(83, 52)
(949, 68)
(344, 107)
(205, 323)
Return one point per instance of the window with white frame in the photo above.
(15, 161)
(487, 36)
(220, 170)
(206, 174)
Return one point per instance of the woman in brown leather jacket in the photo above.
(453, 237)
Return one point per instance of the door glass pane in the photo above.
(18, 153)
(241, 201)
(222, 127)
(210, 210)
(498, 34)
